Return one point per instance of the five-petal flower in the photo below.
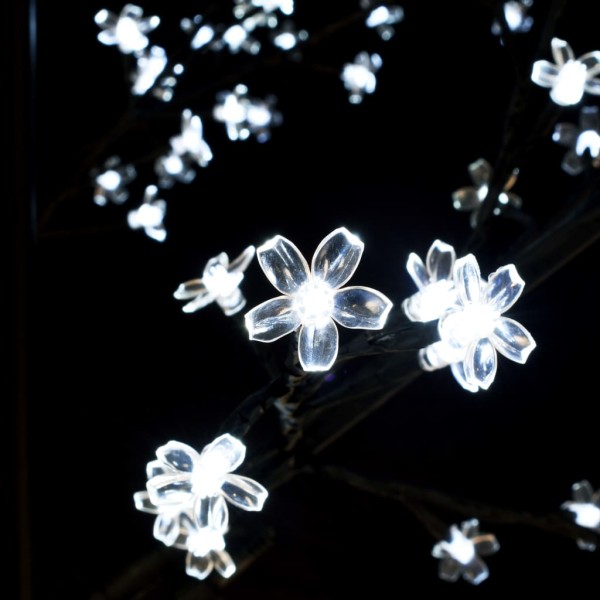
(461, 554)
(150, 64)
(569, 77)
(359, 77)
(150, 215)
(313, 298)
(220, 283)
(382, 18)
(110, 183)
(579, 139)
(586, 508)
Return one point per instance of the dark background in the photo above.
(108, 367)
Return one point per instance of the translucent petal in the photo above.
(318, 346)
(203, 298)
(190, 289)
(211, 511)
(169, 489)
(470, 528)
(466, 198)
(148, 24)
(476, 571)
(232, 303)
(458, 370)
(272, 319)
(449, 569)
(223, 563)
(591, 60)
(561, 51)
(198, 566)
(513, 199)
(440, 260)
(582, 491)
(512, 340)
(480, 172)
(225, 454)
(481, 364)
(158, 467)
(337, 257)
(283, 264)
(142, 502)
(132, 11)
(416, 270)
(589, 118)
(108, 37)
(592, 86)
(503, 288)
(544, 73)
(572, 163)
(467, 279)
(360, 307)
(244, 492)
(240, 264)
(178, 456)
(565, 134)
(486, 544)
(166, 529)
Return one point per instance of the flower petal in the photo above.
(223, 563)
(272, 319)
(158, 467)
(476, 571)
(170, 489)
(589, 118)
(466, 198)
(108, 37)
(592, 86)
(481, 363)
(198, 566)
(503, 288)
(544, 73)
(591, 60)
(512, 340)
(232, 303)
(440, 261)
(561, 51)
(467, 279)
(244, 492)
(178, 456)
(283, 264)
(240, 264)
(458, 370)
(480, 172)
(318, 346)
(470, 528)
(417, 271)
(337, 257)
(190, 289)
(449, 569)
(166, 529)
(582, 491)
(486, 544)
(212, 511)
(142, 502)
(223, 455)
(360, 307)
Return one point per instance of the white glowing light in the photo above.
(149, 67)
(313, 298)
(110, 183)
(436, 292)
(127, 30)
(203, 36)
(580, 140)
(191, 141)
(460, 556)
(590, 141)
(220, 283)
(287, 38)
(359, 77)
(474, 330)
(586, 509)
(569, 77)
(150, 215)
(470, 198)
(234, 37)
(516, 17)
(383, 18)
(243, 7)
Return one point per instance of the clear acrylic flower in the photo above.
(382, 18)
(287, 37)
(126, 30)
(472, 332)
(150, 215)
(314, 298)
(569, 77)
(359, 77)
(586, 508)
(515, 16)
(150, 64)
(190, 477)
(110, 183)
(235, 38)
(583, 141)
(470, 198)
(433, 278)
(244, 116)
(174, 167)
(219, 283)
(201, 33)
(461, 554)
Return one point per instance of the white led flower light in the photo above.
(359, 77)
(382, 18)
(569, 78)
(150, 64)
(516, 17)
(472, 332)
(109, 184)
(313, 298)
(460, 555)
(127, 30)
(580, 140)
(220, 283)
(150, 215)
(586, 509)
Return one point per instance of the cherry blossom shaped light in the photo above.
(110, 183)
(382, 18)
(359, 77)
(586, 509)
(515, 16)
(569, 77)
(470, 198)
(434, 281)
(219, 283)
(150, 215)
(472, 332)
(461, 554)
(581, 140)
(127, 30)
(150, 65)
(314, 298)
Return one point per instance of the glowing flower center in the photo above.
(588, 140)
(358, 76)
(586, 514)
(514, 13)
(218, 280)
(173, 164)
(235, 36)
(110, 180)
(204, 540)
(460, 548)
(128, 34)
(570, 81)
(149, 215)
(232, 110)
(314, 302)
(474, 322)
